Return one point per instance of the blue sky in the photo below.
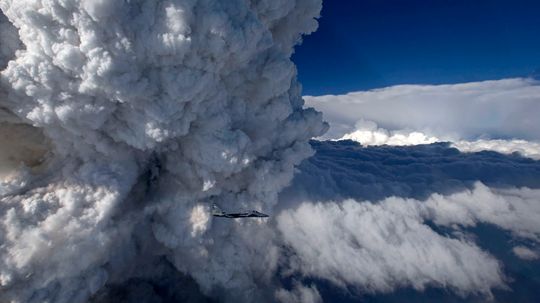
(376, 43)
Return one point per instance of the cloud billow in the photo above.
(146, 112)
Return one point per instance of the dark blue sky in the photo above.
(364, 44)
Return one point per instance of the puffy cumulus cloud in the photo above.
(149, 111)
(379, 247)
(479, 110)
(369, 134)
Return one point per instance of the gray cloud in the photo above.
(10, 41)
(344, 169)
(151, 110)
(300, 294)
(382, 218)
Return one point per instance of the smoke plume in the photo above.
(123, 120)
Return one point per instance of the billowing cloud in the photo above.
(140, 114)
(369, 134)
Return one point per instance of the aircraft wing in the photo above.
(250, 214)
(217, 212)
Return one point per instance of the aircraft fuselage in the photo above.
(217, 212)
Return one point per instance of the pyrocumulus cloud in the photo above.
(123, 120)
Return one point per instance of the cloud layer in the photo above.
(391, 244)
(373, 219)
(416, 178)
(502, 109)
(344, 169)
(384, 246)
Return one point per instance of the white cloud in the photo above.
(525, 253)
(522, 147)
(479, 110)
(516, 209)
(368, 133)
(153, 110)
(490, 115)
(379, 247)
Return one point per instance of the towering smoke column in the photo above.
(122, 121)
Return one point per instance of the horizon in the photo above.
(362, 45)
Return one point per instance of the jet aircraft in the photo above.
(217, 212)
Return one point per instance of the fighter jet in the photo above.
(217, 212)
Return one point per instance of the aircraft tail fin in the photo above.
(216, 211)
